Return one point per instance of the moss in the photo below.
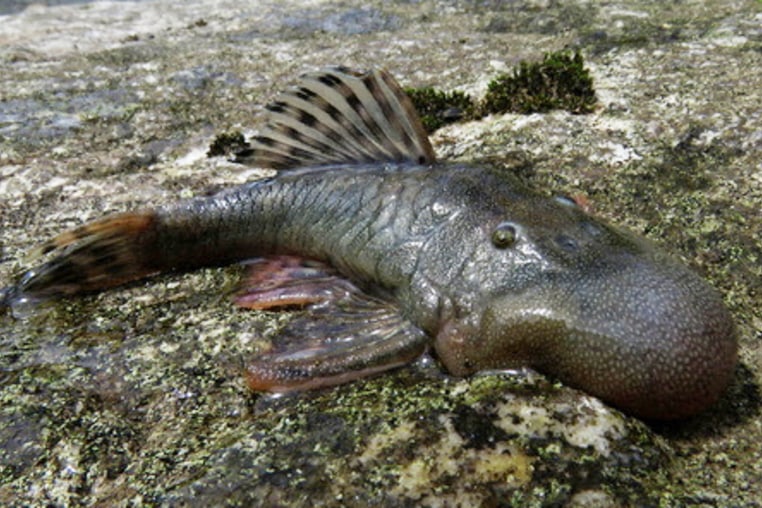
(438, 108)
(560, 81)
(227, 143)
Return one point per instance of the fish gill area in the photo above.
(134, 396)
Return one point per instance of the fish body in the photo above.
(392, 252)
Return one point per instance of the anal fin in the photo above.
(344, 334)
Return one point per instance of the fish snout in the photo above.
(649, 337)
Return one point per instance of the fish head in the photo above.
(601, 310)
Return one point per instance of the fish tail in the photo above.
(95, 256)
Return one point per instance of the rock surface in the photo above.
(134, 397)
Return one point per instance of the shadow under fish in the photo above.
(392, 252)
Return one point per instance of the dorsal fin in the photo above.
(340, 116)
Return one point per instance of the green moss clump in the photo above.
(227, 143)
(560, 81)
(438, 108)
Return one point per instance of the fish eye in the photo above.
(504, 235)
(566, 200)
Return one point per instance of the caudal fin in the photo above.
(98, 255)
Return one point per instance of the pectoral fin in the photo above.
(343, 335)
(279, 282)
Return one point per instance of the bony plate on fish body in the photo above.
(392, 252)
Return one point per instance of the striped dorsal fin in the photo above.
(340, 116)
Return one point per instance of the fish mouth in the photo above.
(649, 337)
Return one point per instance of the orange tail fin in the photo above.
(98, 255)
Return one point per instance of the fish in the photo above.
(390, 253)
